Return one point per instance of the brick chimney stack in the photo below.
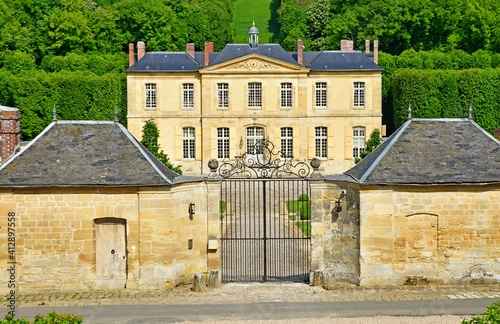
(343, 45)
(190, 49)
(10, 130)
(367, 46)
(300, 52)
(131, 59)
(375, 51)
(350, 45)
(141, 50)
(209, 47)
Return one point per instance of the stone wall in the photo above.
(419, 235)
(335, 235)
(56, 243)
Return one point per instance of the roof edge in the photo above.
(485, 132)
(384, 152)
(134, 141)
(9, 160)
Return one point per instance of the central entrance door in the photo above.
(111, 255)
(265, 216)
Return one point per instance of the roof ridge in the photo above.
(393, 140)
(140, 148)
(482, 130)
(51, 125)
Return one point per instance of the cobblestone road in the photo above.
(252, 293)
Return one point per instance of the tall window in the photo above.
(358, 141)
(286, 95)
(222, 95)
(254, 136)
(254, 95)
(223, 143)
(150, 96)
(187, 96)
(188, 148)
(287, 142)
(321, 95)
(321, 141)
(359, 94)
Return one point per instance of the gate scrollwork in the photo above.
(261, 161)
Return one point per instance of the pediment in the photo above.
(254, 64)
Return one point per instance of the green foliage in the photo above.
(491, 315)
(150, 135)
(222, 208)
(448, 94)
(51, 318)
(76, 95)
(302, 205)
(372, 143)
(243, 17)
(305, 228)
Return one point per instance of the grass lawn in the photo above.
(305, 227)
(266, 21)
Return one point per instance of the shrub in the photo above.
(491, 315)
(51, 318)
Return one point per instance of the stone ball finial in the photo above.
(213, 164)
(315, 163)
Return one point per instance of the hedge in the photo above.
(76, 95)
(448, 94)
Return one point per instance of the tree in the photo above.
(150, 135)
(371, 144)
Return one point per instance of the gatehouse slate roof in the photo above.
(316, 61)
(432, 152)
(84, 154)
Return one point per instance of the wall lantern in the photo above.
(338, 208)
(241, 142)
(191, 209)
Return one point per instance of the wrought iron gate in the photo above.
(265, 217)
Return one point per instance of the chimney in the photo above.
(209, 47)
(367, 46)
(343, 45)
(190, 49)
(141, 50)
(10, 129)
(375, 51)
(350, 45)
(131, 59)
(300, 52)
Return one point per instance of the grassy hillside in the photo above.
(265, 12)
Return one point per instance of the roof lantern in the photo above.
(253, 35)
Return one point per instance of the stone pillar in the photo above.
(10, 130)
(319, 212)
(213, 223)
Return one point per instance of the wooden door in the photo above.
(111, 255)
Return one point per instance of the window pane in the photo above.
(254, 135)
(287, 142)
(321, 142)
(150, 96)
(187, 95)
(255, 95)
(223, 143)
(188, 145)
(358, 141)
(321, 94)
(286, 95)
(222, 95)
(359, 94)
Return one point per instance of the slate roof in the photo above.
(84, 154)
(316, 61)
(432, 152)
